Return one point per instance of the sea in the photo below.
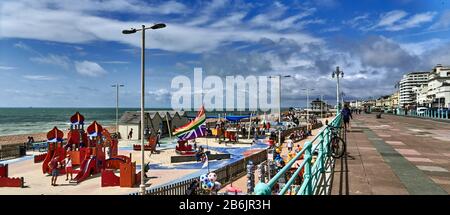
(15, 121)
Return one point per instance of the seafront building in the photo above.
(436, 92)
(407, 96)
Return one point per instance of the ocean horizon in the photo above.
(28, 120)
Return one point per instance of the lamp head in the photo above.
(159, 25)
(132, 31)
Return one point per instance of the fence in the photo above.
(431, 114)
(11, 151)
(224, 174)
(312, 172)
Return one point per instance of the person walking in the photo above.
(54, 165)
(290, 144)
(346, 116)
(130, 135)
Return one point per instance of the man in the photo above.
(53, 165)
(159, 137)
(346, 115)
(130, 135)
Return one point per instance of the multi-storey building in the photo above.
(407, 97)
(438, 87)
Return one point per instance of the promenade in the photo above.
(394, 155)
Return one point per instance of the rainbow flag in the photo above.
(195, 128)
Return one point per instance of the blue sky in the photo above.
(65, 54)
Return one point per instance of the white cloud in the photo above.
(61, 61)
(391, 17)
(89, 68)
(73, 26)
(443, 22)
(397, 20)
(160, 94)
(7, 67)
(39, 77)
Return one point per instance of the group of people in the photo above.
(55, 165)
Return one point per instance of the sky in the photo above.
(58, 53)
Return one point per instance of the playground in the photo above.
(102, 165)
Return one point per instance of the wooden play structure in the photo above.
(6, 181)
(89, 154)
(151, 145)
(127, 177)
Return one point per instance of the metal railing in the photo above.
(312, 172)
(433, 114)
(224, 174)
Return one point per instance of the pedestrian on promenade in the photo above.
(159, 137)
(54, 165)
(289, 144)
(346, 116)
(130, 135)
(69, 170)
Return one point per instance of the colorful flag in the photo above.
(195, 128)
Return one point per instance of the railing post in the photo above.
(321, 151)
(261, 174)
(250, 178)
(307, 174)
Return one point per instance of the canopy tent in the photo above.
(236, 118)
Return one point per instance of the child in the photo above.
(69, 169)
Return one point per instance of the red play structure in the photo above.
(6, 181)
(184, 149)
(151, 146)
(89, 154)
(128, 176)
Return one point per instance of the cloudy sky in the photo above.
(57, 53)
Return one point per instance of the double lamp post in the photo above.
(132, 31)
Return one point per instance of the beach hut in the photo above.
(130, 120)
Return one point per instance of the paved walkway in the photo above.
(394, 155)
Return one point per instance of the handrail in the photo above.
(321, 142)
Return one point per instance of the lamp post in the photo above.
(307, 106)
(132, 31)
(333, 74)
(321, 106)
(117, 105)
(279, 92)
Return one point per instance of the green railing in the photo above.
(431, 114)
(312, 172)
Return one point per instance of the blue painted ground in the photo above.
(236, 154)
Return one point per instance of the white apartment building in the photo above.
(438, 91)
(408, 82)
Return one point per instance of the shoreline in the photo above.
(38, 137)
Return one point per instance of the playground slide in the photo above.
(48, 158)
(87, 167)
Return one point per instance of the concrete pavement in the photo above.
(394, 155)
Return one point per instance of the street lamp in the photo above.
(307, 105)
(279, 92)
(117, 106)
(132, 31)
(337, 73)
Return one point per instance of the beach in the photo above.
(38, 137)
